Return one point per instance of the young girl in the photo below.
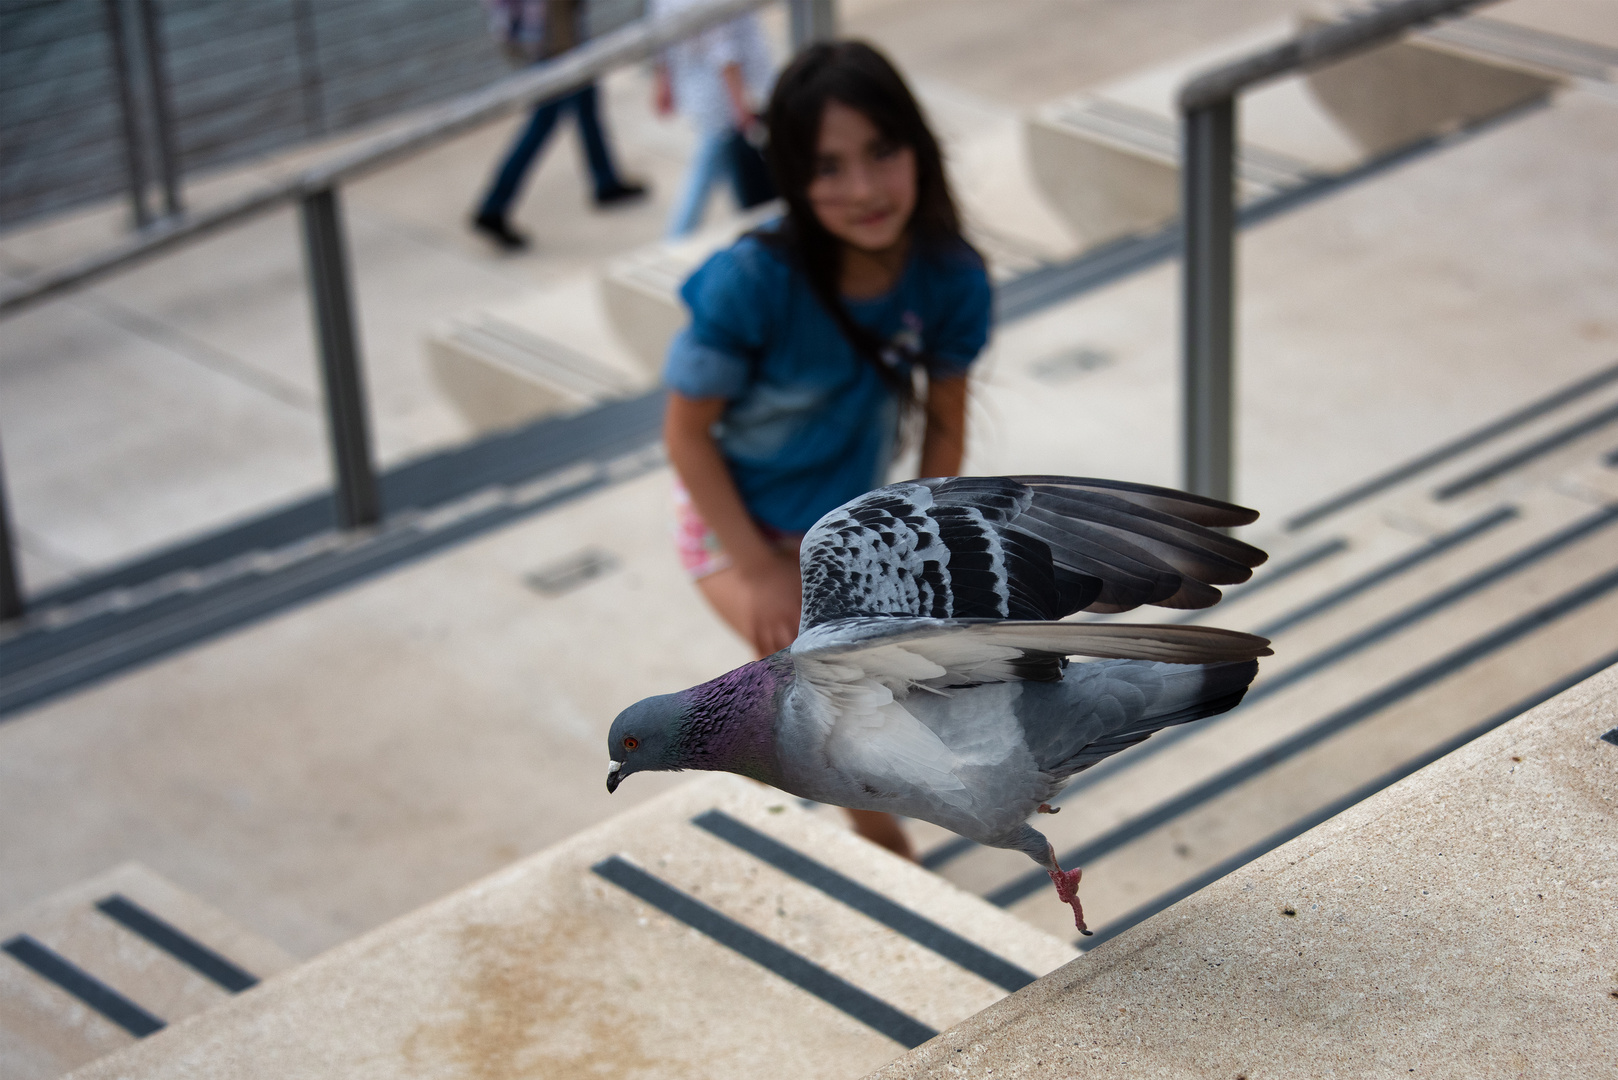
(790, 388)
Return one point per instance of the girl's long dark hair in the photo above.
(858, 76)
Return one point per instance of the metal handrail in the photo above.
(1208, 210)
(636, 41)
(325, 256)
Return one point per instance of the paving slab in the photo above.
(552, 968)
(1457, 924)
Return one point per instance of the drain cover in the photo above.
(567, 574)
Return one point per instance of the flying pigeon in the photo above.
(930, 676)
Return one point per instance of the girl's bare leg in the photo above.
(883, 829)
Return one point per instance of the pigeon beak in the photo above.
(613, 776)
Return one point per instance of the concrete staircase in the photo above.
(1422, 609)
(724, 928)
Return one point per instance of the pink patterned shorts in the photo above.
(699, 548)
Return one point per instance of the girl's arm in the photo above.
(771, 585)
(662, 89)
(741, 110)
(944, 444)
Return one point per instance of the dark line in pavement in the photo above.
(1435, 547)
(81, 984)
(1454, 448)
(144, 636)
(178, 944)
(1416, 612)
(506, 458)
(1280, 572)
(1332, 809)
(802, 973)
(1518, 458)
(1216, 785)
(918, 928)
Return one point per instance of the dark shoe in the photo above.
(620, 193)
(495, 227)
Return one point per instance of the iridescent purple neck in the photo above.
(730, 721)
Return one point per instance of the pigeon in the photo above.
(931, 676)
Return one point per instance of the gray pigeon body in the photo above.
(931, 677)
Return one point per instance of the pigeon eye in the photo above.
(630, 742)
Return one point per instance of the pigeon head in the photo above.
(646, 738)
(726, 725)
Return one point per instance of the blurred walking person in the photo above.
(532, 31)
(715, 80)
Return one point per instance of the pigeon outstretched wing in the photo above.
(1029, 548)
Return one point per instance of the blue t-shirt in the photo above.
(810, 424)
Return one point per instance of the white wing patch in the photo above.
(895, 744)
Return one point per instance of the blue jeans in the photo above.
(527, 147)
(709, 163)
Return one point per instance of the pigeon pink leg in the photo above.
(1067, 889)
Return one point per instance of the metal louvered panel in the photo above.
(244, 79)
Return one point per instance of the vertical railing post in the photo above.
(11, 603)
(812, 21)
(128, 111)
(157, 79)
(1208, 279)
(329, 296)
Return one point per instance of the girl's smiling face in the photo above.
(864, 185)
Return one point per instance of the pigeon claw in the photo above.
(1067, 890)
(1047, 808)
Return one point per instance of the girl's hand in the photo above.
(662, 91)
(774, 603)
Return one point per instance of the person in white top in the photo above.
(714, 80)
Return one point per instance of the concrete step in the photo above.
(716, 931)
(549, 353)
(98, 966)
(641, 289)
(1108, 160)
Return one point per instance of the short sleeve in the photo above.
(715, 355)
(962, 304)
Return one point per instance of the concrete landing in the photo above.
(1460, 923)
(650, 946)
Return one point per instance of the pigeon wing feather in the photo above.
(935, 654)
(998, 547)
